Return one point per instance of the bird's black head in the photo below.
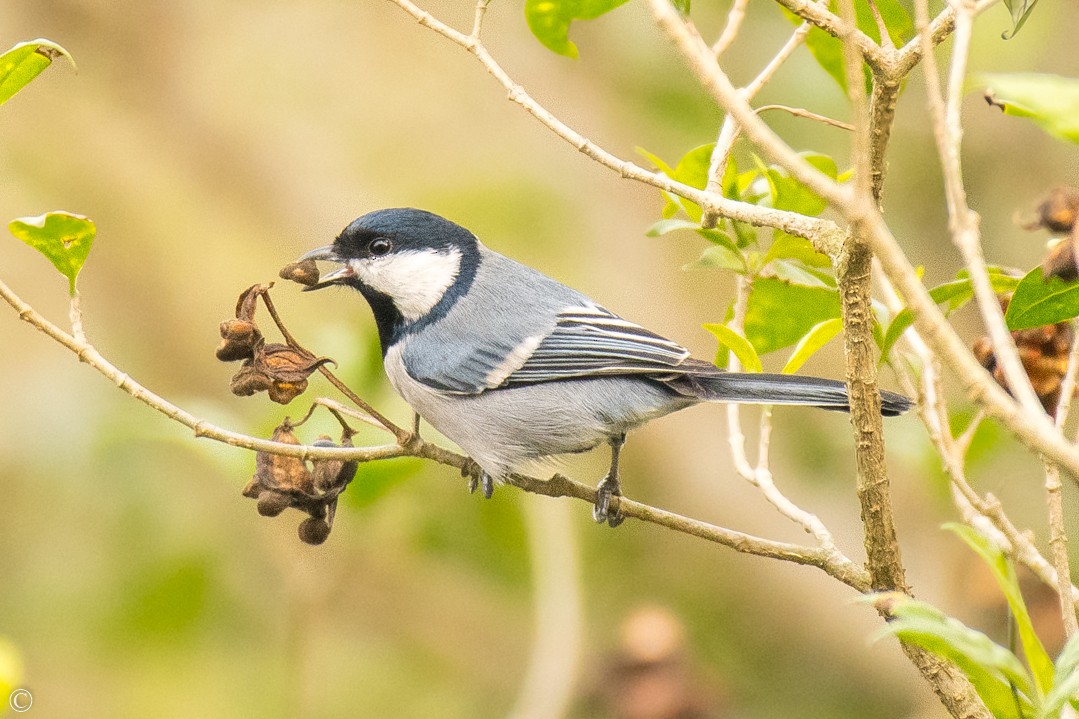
(411, 265)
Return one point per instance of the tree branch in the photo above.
(829, 560)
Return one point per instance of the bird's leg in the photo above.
(609, 487)
(477, 478)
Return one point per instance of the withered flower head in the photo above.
(278, 472)
(282, 482)
(278, 369)
(305, 272)
(1058, 210)
(332, 474)
(1044, 354)
(1061, 260)
(1058, 213)
(240, 337)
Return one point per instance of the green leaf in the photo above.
(1020, 10)
(549, 20)
(656, 161)
(1050, 101)
(798, 273)
(738, 344)
(779, 314)
(956, 293)
(1063, 689)
(718, 257)
(820, 335)
(792, 195)
(1040, 664)
(662, 227)
(24, 62)
(1036, 303)
(789, 247)
(989, 666)
(63, 238)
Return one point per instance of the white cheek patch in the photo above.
(415, 280)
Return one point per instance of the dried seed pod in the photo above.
(305, 273)
(288, 364)
(278, 472)
(249, 380)
(331, 474)
(240, 339)
(285, 392)
(1061, 260)
(248, 301)
(313, 531)
(272, 503)
(1059, 209)
(1043, 352)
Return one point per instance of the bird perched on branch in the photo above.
(514, 366)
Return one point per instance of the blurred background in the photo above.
(212, 142)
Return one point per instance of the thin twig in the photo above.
(728, 131)
(730, 30)
(477, 19)
(400, 433)
(802, 112)
(1058, 536)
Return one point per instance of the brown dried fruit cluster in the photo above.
(1058, 213)
(278, 369)
(1044, 353)
(282, 482)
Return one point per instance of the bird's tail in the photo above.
(759, 388)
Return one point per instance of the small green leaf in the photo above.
(656, 161)
(738, 344)
(1036, 303)
(956, 293)
(24, 62)
(820, 335)
(796, 272)
(63, 238)
(779, 314)
(662, 227)
(718, 257)
(1050, 101)
(549, 20)
(789, 247)
(1020, 10)
(1040, 664)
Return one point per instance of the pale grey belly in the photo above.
(504, 428)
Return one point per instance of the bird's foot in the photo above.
(601, 512)
(478, 478)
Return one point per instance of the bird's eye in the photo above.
(379, 246)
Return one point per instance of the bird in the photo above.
(516, 367)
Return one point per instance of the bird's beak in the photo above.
(327, 254)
